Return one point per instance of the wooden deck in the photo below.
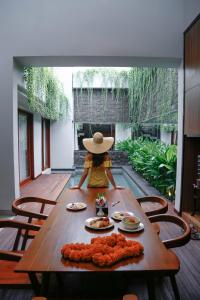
(93, 288)
(46, 186)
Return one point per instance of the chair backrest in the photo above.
(177, 241)
(18, 210)
(154, 199)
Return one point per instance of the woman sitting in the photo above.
(97, 162)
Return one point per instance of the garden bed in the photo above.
(154, 161)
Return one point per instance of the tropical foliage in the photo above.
(45, 93)
(155, 161)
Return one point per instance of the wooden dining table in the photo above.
(64, 226)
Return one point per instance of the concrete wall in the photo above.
(122, 132)
(98, 81)
(191, 9)
(55, 33)
(165, 137)
(62, 132)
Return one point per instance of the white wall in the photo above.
(37, 137)
(12, 161)
(37, 133)
(84, 33)
(62, 132)
(122, 132)
(180, 140)
(165, 137)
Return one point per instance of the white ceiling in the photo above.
(78, 32)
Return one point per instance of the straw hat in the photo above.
(98, 144)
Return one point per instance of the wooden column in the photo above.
(191, 139)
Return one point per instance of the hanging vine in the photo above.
(45, 93)
(152, 92)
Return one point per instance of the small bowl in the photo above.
(131, 222)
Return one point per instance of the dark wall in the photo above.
(119, 158)
(191, 139)
(192, 80)
(96, 108)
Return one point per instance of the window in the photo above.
(86, 130)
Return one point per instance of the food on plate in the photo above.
(131, 222)
(120, 215)
(100, 222)
(76, 205)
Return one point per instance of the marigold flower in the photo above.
(103, 251)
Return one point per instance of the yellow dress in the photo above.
(97, 175)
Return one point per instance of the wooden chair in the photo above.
(179, 241)
(9, 258)
(159, 204)
(37, 218)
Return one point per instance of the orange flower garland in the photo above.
(103, 251)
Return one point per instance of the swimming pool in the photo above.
(121, 178)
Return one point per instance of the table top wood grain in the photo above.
(63, 226)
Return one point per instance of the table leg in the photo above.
(151, 289)
(45, 284)
(35, 283)
(59, 279)
(175, 287)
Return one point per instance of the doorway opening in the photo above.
(45, 144)
(25, 132)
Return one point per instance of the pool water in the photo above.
(120, 177)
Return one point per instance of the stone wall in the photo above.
(96, 109)
(119, 158)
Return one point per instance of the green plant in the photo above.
(155, 161)
(45, 93)
(169, 127)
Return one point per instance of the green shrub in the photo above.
(155, 161)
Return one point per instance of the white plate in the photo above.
(139, 228)
(121, 217)
(76, 206)
(87, 224)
